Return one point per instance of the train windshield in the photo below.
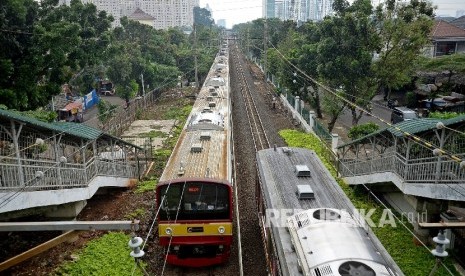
(195, 201)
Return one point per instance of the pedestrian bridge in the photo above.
(49, 165)
(422, 157)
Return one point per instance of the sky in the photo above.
(240, 11)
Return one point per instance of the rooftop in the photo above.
(443, 29)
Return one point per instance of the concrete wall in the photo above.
(26, 200)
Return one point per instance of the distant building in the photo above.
(302, 10)
(279, 9)
(166, 13)
(142, 17)
(221, 23)
(446, 39)
(268, 9)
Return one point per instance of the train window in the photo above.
(199, 201)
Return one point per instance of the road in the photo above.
(344, 122)
(91, 115)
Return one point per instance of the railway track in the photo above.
(257, 129)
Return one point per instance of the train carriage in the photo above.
(309, 226)
(195, 190)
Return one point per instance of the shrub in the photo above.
(444, 115)
(359, 131)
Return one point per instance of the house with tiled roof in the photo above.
(446, 39)
(142, 17)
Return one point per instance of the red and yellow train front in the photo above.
(195, 222)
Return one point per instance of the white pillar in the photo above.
(297, 103)
(311, 121)
(334, 141)
(296, 107)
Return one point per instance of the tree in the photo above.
(203, 17)
(345, 54)
(44, 41)
(403, 30)
(308, 61)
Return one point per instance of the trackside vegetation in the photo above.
(108, 255)
(412, 259)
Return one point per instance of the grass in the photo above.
(153, 134)
(146, 186)
(412, 259)
(138, 213)
(108, 255)
(178, 113)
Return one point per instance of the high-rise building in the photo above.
(268, 9)
(303, 10)
(166, 13)
(221, 23)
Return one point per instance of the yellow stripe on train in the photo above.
(195, 229)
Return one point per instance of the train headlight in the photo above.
(168, 231)
(221, 229)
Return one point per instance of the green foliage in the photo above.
(41, 42)
(105, 110)
(444, 115)
(412, 259)
(362, 130)
(39, 114)
(454, 63)
(203, 16)
(138, 213)
(411, 99)
(153, 134)
(108, 255)
(178, 113)
(146, 186)
(405, 32)
(163, 153)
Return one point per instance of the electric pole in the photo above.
(265, 47)
(142, 80)
(195, 58)
(248, 42)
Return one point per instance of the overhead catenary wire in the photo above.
(8, 197)
(415, 138)
(405, 133)
(171, 235)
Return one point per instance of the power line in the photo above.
(16, 193)
(415, 138)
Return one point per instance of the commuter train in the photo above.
(194, 194)
(308, 225)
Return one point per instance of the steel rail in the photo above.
(259, 135)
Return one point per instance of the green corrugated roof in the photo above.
(412, 127)
(73, 129)
(77, 130)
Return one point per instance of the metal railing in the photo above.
(425, 170)
(47, 175)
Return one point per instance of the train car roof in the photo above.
(281, 187)
(202, 147)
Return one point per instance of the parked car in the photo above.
(400, 114)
